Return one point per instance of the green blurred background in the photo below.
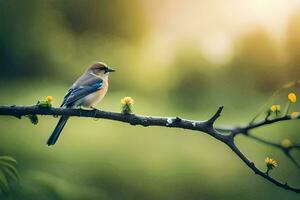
(175, 58)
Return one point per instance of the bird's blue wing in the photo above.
(75, 94)
(66, 96)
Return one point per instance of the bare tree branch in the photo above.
(212, 120)
(245, 131)
(224, 135)
(263, 122)
(176, 122)
(286, 150)
(252, 166)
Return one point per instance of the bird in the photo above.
(87, 91)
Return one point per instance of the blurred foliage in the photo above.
(103, 17)
(42, 37)
(257, 62)
(33, 119)
(189, 76)
(293, 47)
(7, 170)
(62, 38)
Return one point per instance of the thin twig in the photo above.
(265, 175)
(285, 150)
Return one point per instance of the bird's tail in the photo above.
(59, 127)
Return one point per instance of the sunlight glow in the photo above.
(213, 24)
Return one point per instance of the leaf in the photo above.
(7, 159)
(44, 104)
(126, 109)
(33, 119)
(7, 169)
(10, 168)
(3, 182)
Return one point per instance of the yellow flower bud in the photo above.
(49, 99)
(294, 115)
(275, 108)
(127, 101)
(127, 105)
(292, 97)
(286, 143)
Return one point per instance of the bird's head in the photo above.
(100, 69)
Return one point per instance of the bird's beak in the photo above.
(110, 70)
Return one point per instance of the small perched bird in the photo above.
(87, 91)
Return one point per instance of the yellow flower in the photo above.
(49, 99)
(127, 105)
(286, 143)
(275, 108)
(294, 115)
(127, 101)
(292, 97)
(271, 163)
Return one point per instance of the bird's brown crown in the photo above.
(99, 66)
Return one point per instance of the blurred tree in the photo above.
(120, 18)
(20, 53)
(257, 62)
(293, 47)
(41, 36)
(190, 76)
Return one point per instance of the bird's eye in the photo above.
(102, 68)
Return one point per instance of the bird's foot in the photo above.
(80, 110)
(93, 108)
(95, 112)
